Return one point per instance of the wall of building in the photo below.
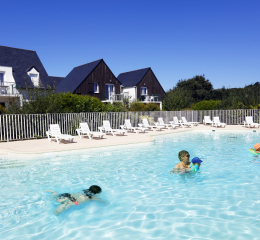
(131, 92)
(153, 86)
(101, 75)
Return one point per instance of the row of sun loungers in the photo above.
(83, 130)
(216, 122)
(54, 131)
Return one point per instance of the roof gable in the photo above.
(129, 79)
(22, 61)
(78, 74)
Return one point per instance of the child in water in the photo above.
(195, 164)
(257, 147)
(67, 200)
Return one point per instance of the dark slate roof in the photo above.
(56, 80)
(129, 79)
(22, 61)
(78, 74)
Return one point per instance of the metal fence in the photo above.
(31, 126)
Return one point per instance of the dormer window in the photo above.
(35, 80)
(34, 75)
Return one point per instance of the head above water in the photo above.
(182, 154)
(257, 146)
(95, 189)
(196, 160)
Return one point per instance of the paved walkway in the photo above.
(44, 146)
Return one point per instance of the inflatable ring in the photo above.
(253, 151)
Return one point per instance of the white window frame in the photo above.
(35, 80)
(110, 94)
(97, 91)
(2, 82)
(146, 92)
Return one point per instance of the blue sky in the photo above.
(178, 39)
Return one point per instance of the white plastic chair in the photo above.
(176, 122)
(84, 129)
(107, 129)
(217, 123)
(207, 120)
(54, 132)
(249, 122)
(147, 125)
(128, 126)
(186, 123)
(161, 123)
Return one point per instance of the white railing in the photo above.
(150, 99)
(7, 88)
(29, 126)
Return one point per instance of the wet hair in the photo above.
(67, 195)
(182, 153)
(94, 189)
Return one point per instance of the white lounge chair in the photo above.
(54, 132)
(207, 120)
(84, 129)
(161, 123)
(128, 126)
(107, 129)
(176, 122)
(217, 123)
(186, 122)
(249, 122)
(153, 127)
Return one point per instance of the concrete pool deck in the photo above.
(44, 146)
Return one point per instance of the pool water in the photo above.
(141, 199)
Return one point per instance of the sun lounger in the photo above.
(54, 132)
(107, 129)
(207, 120)
(176, 122)
(249, 122)
(170, 125)
(153, 127)
(84, 129)
(188, 123)
(128, 126)
(217, 123)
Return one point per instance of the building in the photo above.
(94, 79)
(20, 69)
(142, 85)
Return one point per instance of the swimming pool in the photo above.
(141, 199)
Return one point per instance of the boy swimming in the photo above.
(67, 200)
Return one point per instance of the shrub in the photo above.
(207, 105)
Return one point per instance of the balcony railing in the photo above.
(113, 96)
(150, 98)
(7, 88)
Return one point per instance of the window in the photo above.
(96, 88)
(34, 78)
(1, 78)
(143, 90)
(109, 91)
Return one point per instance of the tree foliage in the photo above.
(196, 93)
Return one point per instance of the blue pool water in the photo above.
(140, 198)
